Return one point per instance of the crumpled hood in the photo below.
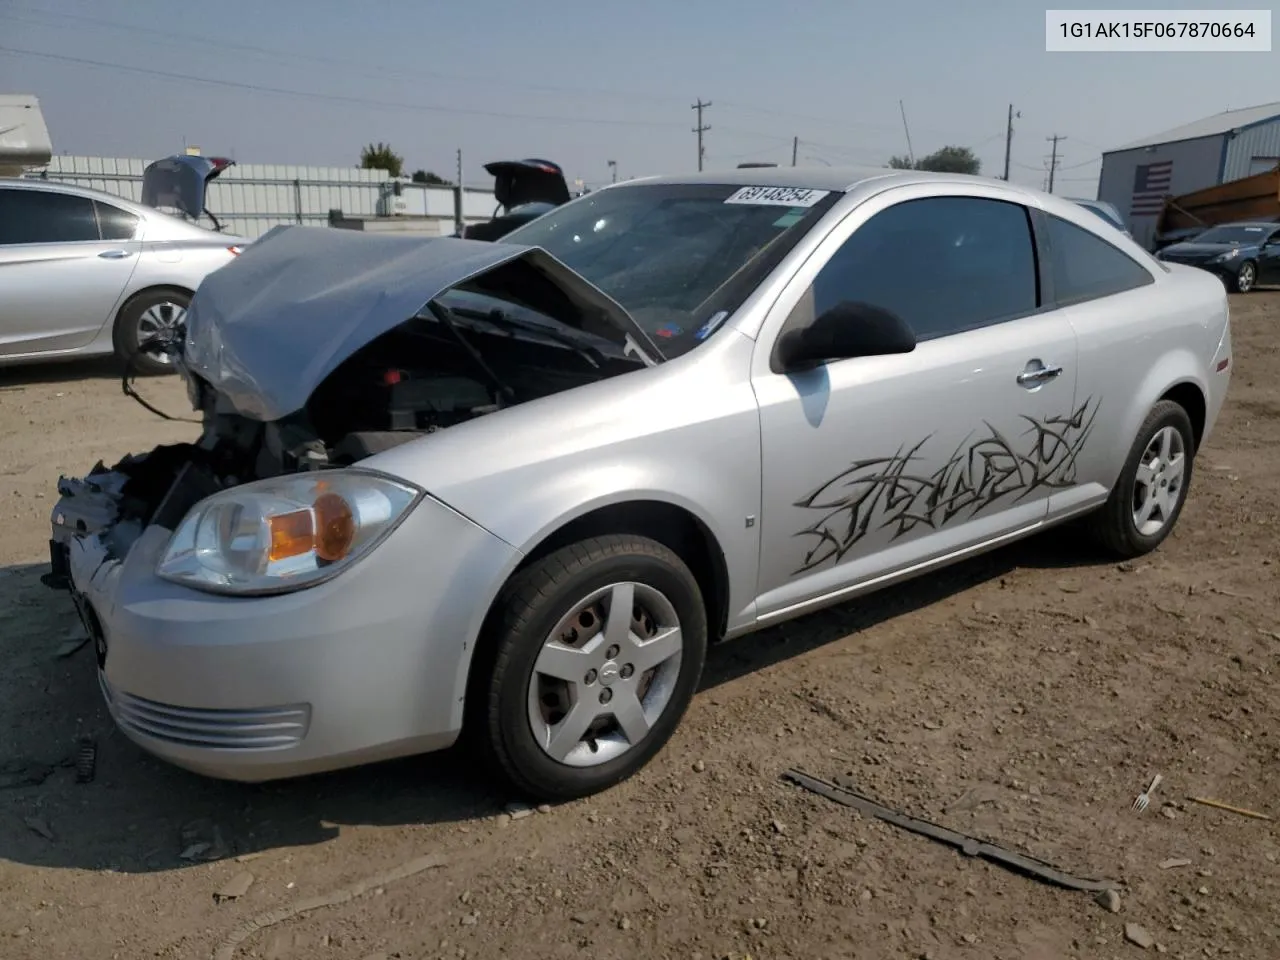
(266, 329)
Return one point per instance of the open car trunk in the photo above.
(318, 348)
(525, 190)
(181, 183)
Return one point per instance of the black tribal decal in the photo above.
(883, 493)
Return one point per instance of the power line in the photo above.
(363, 69)
(700, 129)
(330, 97)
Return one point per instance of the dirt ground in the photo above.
(1026, 697)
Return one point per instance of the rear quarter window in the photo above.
(1086, 267)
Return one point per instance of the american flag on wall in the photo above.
(1150, 186)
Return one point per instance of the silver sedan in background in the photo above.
(85, 273)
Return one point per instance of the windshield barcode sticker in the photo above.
(777, 196)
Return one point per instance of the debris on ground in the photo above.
(70, 646)
(86, 760)
(1139, 936)
(1174, 862)
(1109, 900)
(969, 846)
(1219, 805)
(235, 888)
(38, 826)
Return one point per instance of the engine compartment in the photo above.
(423, 376)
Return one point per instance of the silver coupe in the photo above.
(513, 490)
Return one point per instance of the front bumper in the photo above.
(364, 667)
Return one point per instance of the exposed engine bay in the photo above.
(500, 339)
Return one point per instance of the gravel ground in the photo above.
(1026, 697)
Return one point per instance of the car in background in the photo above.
(525, 190)
(1107, 212)
(85, 273)
(513, 490)
(1243, 254)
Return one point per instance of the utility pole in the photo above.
(1008, 140)
(457, 198)
(613, 169)
(910, 153)
(700, 129)
(795, 148)
(1053, 159)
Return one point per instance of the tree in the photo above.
(380, 156)
(946, 160)
(426, 176)
(951, 160)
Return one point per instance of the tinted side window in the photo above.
(943, 264)
(114, 223)
(1085, 266)
(36, 216)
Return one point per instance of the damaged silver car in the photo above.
(512, 490)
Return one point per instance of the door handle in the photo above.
(115, 254)
(1035, 377)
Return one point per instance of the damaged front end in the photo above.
(317, 349)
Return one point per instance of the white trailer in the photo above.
(24, 139)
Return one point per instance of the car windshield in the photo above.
(678, 257)
(1233, 234)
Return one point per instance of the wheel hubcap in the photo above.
(163, 321)
(1158, 485)
(1246, 277)
(605, 675)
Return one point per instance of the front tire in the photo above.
(150, 313)
(1147, 499)
(1245, 277)
(594, 653)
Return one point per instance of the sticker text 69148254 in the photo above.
(777, 196)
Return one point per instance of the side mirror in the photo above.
(845, 331)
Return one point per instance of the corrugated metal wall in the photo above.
(252, 198)
(1195, 165)
(1260, 141)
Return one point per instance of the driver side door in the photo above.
(875, 467)
(1269, 259)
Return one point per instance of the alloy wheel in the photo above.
(164, 320)
(605, 675)
(1158, 483)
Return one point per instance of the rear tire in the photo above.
(557, 738)
(1148, 497)
(142, 316)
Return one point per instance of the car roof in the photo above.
(843, 178)
(57, 186)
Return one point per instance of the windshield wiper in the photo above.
(445, 316)
(588, 353)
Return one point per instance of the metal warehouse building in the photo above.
(1224, 147)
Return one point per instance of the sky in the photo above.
(312, 81)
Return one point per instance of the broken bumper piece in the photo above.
(366, 666)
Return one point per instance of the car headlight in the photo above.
(286, 533)
(1229, 255)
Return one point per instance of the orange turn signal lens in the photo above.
(292, 535)
(335, 527)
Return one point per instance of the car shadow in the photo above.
(61, 371)
(140, 815)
